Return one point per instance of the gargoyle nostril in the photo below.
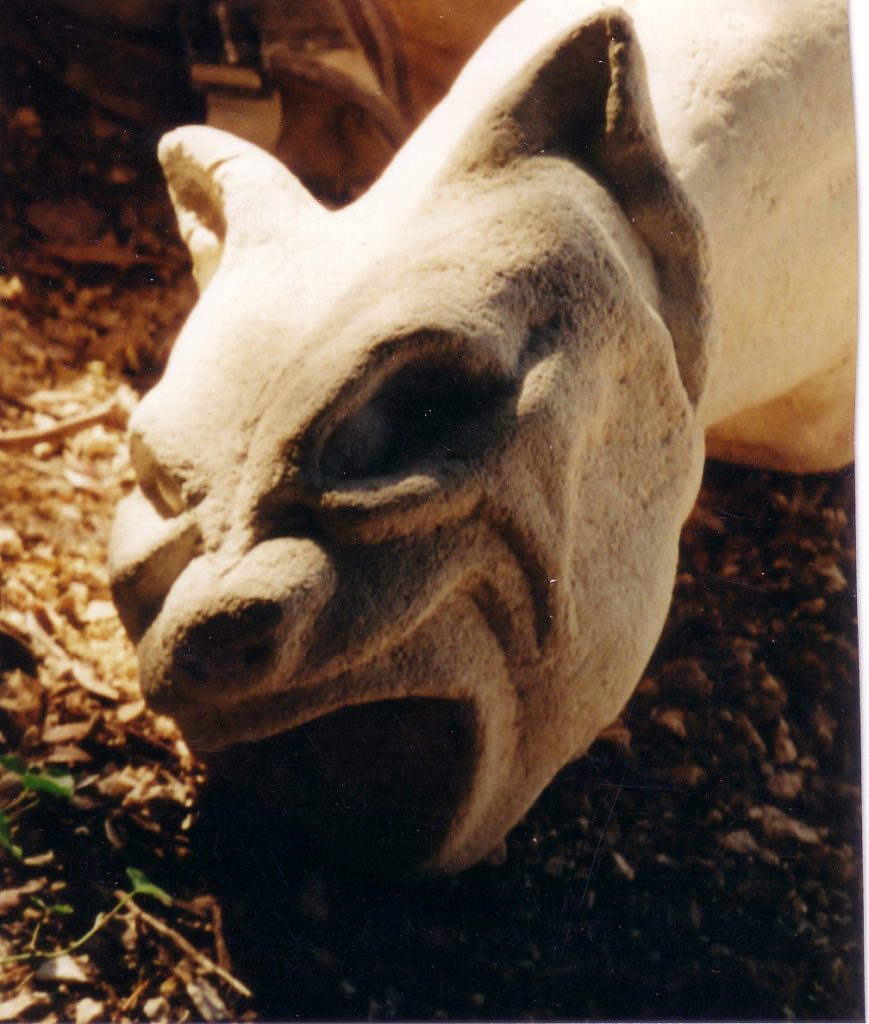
(241, 626)
(190, 666)
(231, 648)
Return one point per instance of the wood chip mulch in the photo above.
(702, 862)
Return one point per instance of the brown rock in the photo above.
(673, 720)
(825, 728)
(780, 827)
(742, 842)
(66, 220)
(685, 676)
(769, 698)
(739, 841)
(622, 866)
(785, 785)
(688, 774)
(784, 750)
(618, 734)
(744, 727)
(22, 704)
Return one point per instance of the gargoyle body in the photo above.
(410, 491)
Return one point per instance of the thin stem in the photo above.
(19, 805)
(100, 921)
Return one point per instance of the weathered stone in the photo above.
(411, 488)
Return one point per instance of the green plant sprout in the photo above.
(8, 817)
(55, 782)
(141, 886)
(59, 909)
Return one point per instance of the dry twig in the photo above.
(189, 950)
(13, 440)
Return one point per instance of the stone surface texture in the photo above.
(418, 466)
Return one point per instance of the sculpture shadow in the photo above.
(668, 875)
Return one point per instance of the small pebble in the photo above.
(62, 969)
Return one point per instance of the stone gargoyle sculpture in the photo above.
(410, 490)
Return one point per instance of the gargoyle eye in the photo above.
(424, 413)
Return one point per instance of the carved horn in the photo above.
(219, 184)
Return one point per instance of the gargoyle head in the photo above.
(410, 490)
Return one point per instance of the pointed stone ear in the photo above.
(229, 195)
(585, 97)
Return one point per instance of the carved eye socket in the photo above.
(425, 412)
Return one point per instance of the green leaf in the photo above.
(57, 785)
(6, 838)
(56, 781)
(142, 885)
(60, 908)
(13, 764)
(53, 908)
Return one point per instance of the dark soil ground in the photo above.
(701, 862)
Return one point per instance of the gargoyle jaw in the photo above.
(401, 760)
(378, 784)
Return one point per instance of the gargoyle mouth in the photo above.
(377, 784)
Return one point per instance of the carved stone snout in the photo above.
(411, 487)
